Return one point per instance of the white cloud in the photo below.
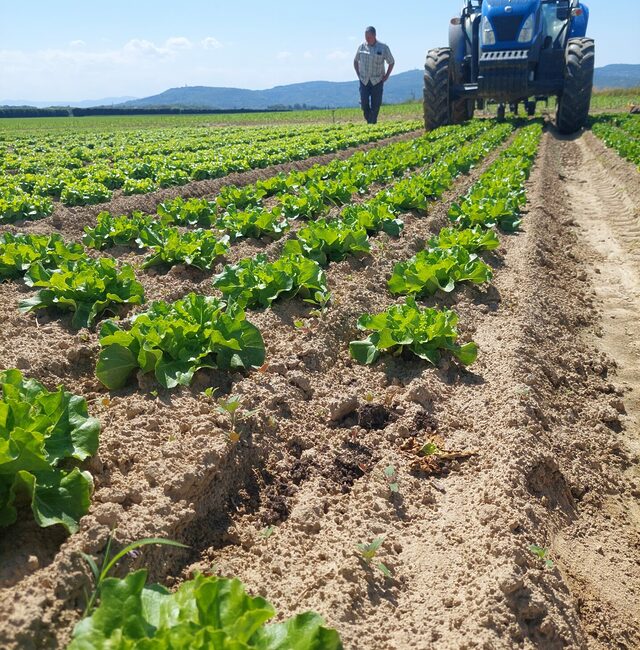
(283, 56)
(141, 47)
(211, 43)
(78, 43)
(337, 55)
(178, 43)
(308, 55)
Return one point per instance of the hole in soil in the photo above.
(277, 488)
(352, 463)
(615, 426)
(374, 417)
(424, 422)
(545, 480)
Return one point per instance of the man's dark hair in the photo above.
(370, 30)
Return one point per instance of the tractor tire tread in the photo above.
(574, 104)
(436, 88)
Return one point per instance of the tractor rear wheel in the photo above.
(574, 103)
(437, 84)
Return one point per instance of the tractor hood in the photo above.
(503, 21)
(514, 7)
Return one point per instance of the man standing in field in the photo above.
(369, 65)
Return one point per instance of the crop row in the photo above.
(622, 133)
(73, 175)
(496, 199)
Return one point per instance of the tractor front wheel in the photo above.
(437, 83)
(462, 110)
(574, 103)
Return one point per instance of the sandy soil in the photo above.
(546, 425)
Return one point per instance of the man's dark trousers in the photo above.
(371, 100)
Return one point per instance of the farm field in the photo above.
(385, 376)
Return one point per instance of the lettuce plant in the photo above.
(16, 205)
(437, 269)
(253, 222)
(374, 217)
(86, 287)
(19, 252)
(472, 239)
(328, 241)
(256, 282)
(174, 340)
(116, 231)
(198, 248)
(205, 613)
(424, 332)
(42, 433)
(85, 192)
(192, 212)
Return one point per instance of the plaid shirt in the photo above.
(370, 60)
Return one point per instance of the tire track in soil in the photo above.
(602, 552)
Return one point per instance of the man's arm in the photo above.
(356, 63)
(388, 57)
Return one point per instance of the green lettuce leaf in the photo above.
(205, 613)
(424, 332)
(40, 433)
(174, 340)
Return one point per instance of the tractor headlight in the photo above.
(488, 35)
(526, 32)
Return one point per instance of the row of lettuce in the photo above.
(48, 433)
(84, 171)
(620, 132)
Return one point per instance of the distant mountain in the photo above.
(617, 75)
(86, 103)
(399, 88)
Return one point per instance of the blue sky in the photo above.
(72, 50)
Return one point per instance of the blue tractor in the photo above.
(512, 51)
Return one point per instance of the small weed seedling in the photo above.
(429, 449)
(231, 407)
(322, 300)
(368, 554)
(108, 563)
(542, 554)
(392, 478)
(266, 532)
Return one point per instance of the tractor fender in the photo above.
(458, 47)
(579, 23)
